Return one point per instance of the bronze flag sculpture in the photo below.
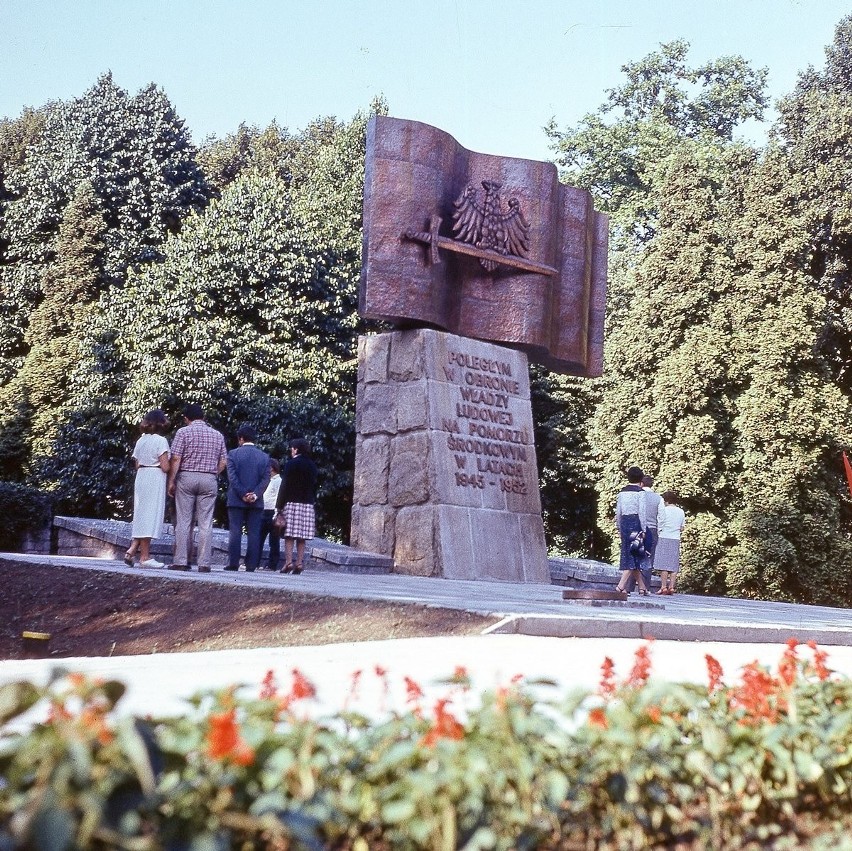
(492, 248)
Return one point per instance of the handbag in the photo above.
(278, 521)
(637, 544)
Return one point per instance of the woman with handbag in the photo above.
(631, 522)
(296, 517)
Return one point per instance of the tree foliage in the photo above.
(92, 187)
(251, 312)
(621, 152)
(717, 378)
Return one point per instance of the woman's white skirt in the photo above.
(149, 502)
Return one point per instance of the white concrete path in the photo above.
(160, 683)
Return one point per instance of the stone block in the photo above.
(376, 408)
(406, 356)
(372, 466)
(412, 405)
(373, 528)
(408, 480)
(414, 552)
(451, 431)
(533, 548)
(373, 354)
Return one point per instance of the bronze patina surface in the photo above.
(488, 247)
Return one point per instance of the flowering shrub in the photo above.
(765, 762)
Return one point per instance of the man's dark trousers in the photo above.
(251, 518)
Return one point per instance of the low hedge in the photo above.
(762, 762)
(24, 510)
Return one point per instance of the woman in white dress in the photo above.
(151, 455)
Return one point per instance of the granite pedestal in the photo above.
(446, 480)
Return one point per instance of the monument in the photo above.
(481, 263)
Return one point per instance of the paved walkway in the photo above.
(536, 609)
(542, 637)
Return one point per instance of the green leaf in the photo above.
(16, 698)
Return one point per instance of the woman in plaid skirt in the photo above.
(295, 506)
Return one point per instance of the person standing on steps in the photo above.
(671, 522)
(631, 521)
(198, 456)
(268, 528)
(296, 517)
(151, 455)
(653, 504)
(248, 478)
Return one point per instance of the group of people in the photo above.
(649, 526)
(263, 498)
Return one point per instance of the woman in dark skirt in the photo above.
(631, 522)
(296, 498)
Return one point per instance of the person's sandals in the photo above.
(128, 559)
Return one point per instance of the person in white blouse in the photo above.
(270, 495)
(631, 520)
(670, 523)
(151, 455)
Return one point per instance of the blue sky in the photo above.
(489, 72)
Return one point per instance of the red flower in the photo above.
(268, 691)
(607, 685)
(224, 740)
(382, 674)
(597, 718)
(413, 692)
(301, 689)
(788, 665)
(641, 666)
(353, 689)
(654, 714)
(820, 658)
(446, 725)
(757, 696)
(714, 673)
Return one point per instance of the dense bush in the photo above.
(765, 762)
(23, 510)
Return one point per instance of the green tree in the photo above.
(814, 131)
(33, 400)
(252, 313)
(568, 471)
(716, 377)
(664, 115)
(137, 157)
(621, 152)
(789, 538)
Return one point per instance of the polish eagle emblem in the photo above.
(483, 221)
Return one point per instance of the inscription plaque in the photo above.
(446, 478)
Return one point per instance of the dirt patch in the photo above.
(89, 613)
